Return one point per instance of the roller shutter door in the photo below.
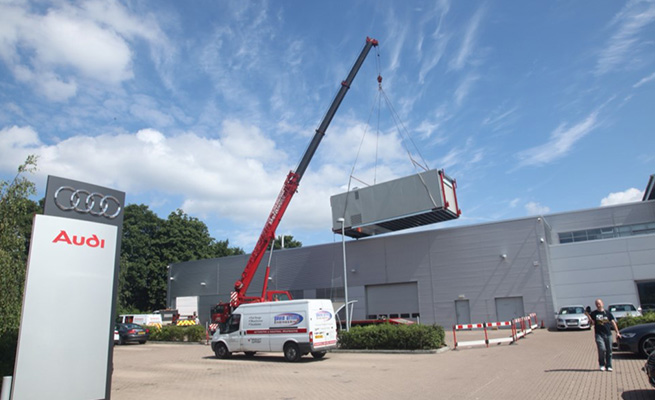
(397, 300)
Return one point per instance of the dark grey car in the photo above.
(639, 339)
(130, 333)
(650, 368)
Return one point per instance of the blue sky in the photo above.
(534, 107)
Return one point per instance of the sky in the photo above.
(205, 106)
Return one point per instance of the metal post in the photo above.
(345, 271)
(6, 387)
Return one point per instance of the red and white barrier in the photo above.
(519, 328)
(470, 342)
(535, 324)
(510, 339)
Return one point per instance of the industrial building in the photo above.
(487, 272)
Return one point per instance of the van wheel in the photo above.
(318, 354)
(250, 353)
(221, 351)
(291, 352)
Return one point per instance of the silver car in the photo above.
(572, 317)
(624, 310)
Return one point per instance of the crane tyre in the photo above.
(291, 352)
(221, 351)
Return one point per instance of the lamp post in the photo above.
(345, 271)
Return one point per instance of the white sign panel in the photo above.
(66, 321)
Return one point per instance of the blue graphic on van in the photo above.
(287, 319)
(323, 315)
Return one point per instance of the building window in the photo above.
(606, 233)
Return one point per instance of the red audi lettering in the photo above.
(63, 236)
(92, 241)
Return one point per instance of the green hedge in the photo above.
(393, 337)
(172, 333)
(629, 321)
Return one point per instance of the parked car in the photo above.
(572, 317)
(650, 368)
(624, 310)
(639, 339)
(132, 333)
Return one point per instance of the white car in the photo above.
(624, 310)
(572, 317)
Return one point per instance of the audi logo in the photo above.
(86, 202)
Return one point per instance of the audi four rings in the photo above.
(84, 202)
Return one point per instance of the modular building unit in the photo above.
(416, 200)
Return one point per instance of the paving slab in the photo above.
(543, 365)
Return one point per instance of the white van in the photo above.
(295, 327)
(140, 319)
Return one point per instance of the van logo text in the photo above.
(91, 241)
(287, 319)
(323, 315)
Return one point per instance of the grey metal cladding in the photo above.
(468, 262)
(601, 217)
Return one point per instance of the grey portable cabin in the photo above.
(421, 199)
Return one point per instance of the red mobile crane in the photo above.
(222, 311)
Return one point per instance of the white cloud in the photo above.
(627, 196)
(430, 50)
(57, 50)
(15, 144)
(464, 88)
(468, 42)
(534, 208)
(463, 157)
(624, 44)
(645, 80)
(560, 143)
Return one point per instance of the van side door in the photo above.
(256, 332)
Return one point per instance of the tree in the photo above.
(289, 242)
(15, 210)
(150, 244)
(14, 237)
(140, 263)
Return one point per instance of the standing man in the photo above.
(603, 321)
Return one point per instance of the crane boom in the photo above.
(289, 189)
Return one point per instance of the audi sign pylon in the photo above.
(72, 272)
